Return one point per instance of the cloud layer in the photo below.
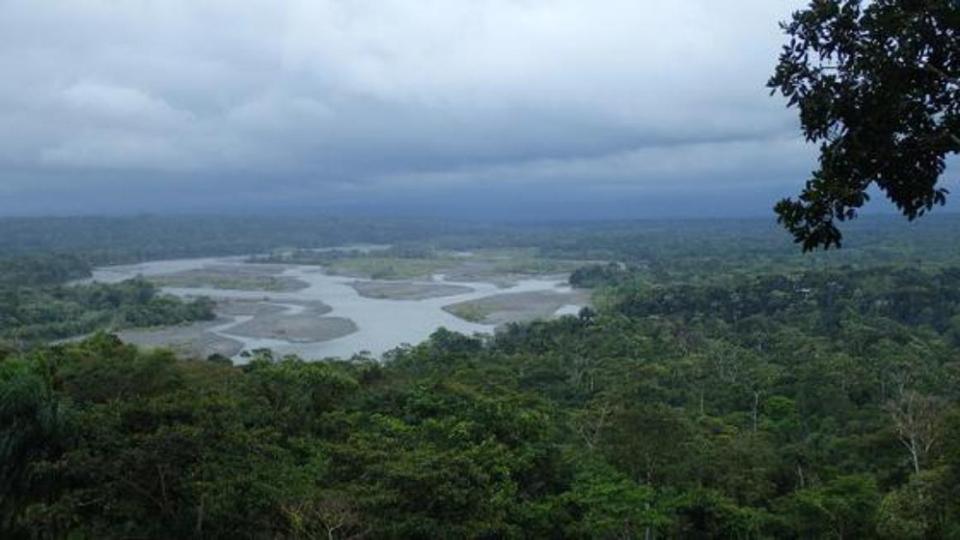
(151, 105)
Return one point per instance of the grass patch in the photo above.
(390, 267)
(235, 282)
(468, 311)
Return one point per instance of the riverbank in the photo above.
(330, 315)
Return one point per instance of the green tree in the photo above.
(650, 443)
(610, 505)
(844, 508)
(877, 85)
(34, 423)
(919, 509)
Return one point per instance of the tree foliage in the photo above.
(710, 393)
(711, 411)
(877, 86)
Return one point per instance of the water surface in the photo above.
(382, 324)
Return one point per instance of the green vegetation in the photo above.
(805, 403)
(30, 315)
(406, 261)
(377, 267)
(724, 387)
(37, 304)
(46, 269)
(116, 240)
(524, 262)
(227, 280)
(598, 275)
(876, 85)
(419, 261)
(469, 311)
(671, 245)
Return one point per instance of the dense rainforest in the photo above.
(720, 386)
(35, 314)
(38, 303)
(757, 243)
(720, 390)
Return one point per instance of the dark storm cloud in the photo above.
(144, 104)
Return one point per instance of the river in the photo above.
(382, 324)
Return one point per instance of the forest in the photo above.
(38, 302)
(795, 375)
(739, 391)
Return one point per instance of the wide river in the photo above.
(382, 324)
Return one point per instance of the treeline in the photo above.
(823, 301)
(602, 275)
(30, 315)
(38, 304)
(713, 412)
(678, 245)
(324, 256)
(45, 269)
(117, 240)
(718, 392)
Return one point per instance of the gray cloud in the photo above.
(144, 104)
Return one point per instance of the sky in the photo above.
(504, 108)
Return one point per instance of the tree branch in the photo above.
(941, 74)
(954, 138)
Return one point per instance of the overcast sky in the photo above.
(590, 108)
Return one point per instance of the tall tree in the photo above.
(877, 85)
(917, 419)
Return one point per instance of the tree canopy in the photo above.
(722, 386)
(877, 85)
